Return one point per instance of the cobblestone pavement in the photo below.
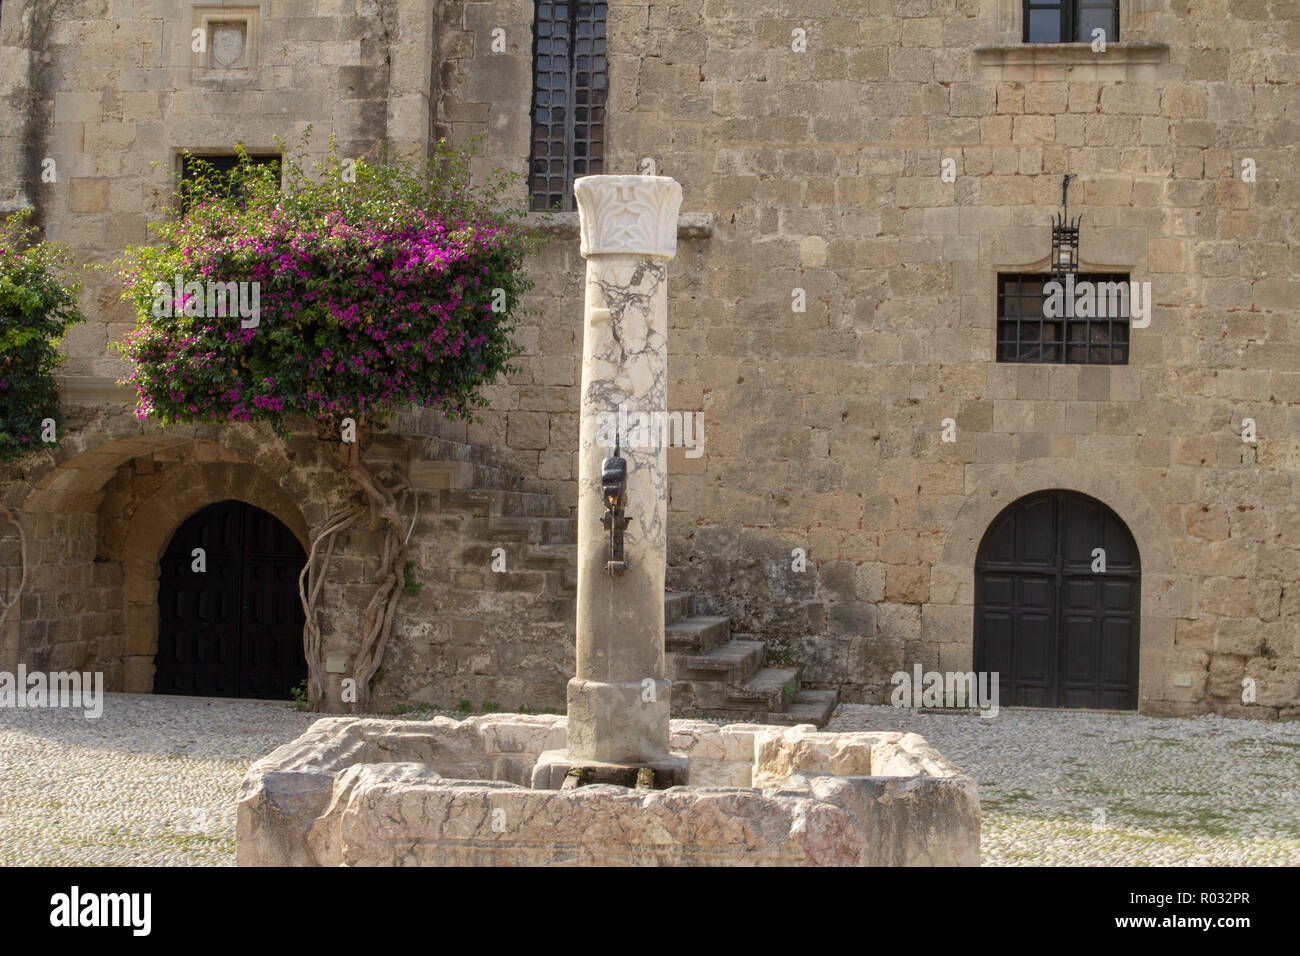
(154, 782)
(1098, 789)
(151, 782)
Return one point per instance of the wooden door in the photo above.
(1058, 631)
(234, 629)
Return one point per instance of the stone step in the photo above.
(733, 662)
(437, 448)
(527, 581)
(697, 635)
(809, 707)
(767, 687)
(496, 502)
(563, 582)
(441, 475)
(490, 476)
(552, 531)
(527, 566)
(519, 557)
(677, 605)
(439, 464)
(386, 450)
(552, 556)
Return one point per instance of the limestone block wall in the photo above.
(470, 633)
(823, 167)
(70, 615)
(111, 94)
(823, 427)
(119, 93)
(100, 510)
(22, 33)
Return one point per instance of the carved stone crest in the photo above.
(228, 42)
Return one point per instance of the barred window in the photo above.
(570, 84)
(1070, 21)
(1028, 333)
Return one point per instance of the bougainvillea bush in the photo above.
(37, 305)
(366, 287)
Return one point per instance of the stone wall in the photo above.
(100, 510)
(470, 634)
(118, 94)
(113, 93)
(823, 428)
(823, 167)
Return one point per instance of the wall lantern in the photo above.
(1065, 236)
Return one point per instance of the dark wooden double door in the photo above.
(1057, 632)
(235, 629)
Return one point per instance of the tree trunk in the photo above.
(381, 500)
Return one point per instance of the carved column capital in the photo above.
(628, 215)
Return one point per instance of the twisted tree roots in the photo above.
(384, 494)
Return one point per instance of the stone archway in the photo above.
(193, 488)
(1164, 592)
(70, 478)
(90, 599)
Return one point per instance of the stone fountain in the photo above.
(616, 782)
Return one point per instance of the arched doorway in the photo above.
(1058, 632)
(234, 629)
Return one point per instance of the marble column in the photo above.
(618, 703)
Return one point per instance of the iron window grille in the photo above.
(1070, 21)
(1026, 335)
(570, 85)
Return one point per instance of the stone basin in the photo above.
(371, 792)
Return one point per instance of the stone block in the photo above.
(528, 430)
(779, 754)
(947, 624)
(86, 195)
(138, 674)
(1166, 255)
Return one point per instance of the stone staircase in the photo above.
(715, 673)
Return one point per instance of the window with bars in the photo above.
(221, 166)
(570, 84)
(1027, 334)
(1070, 21)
